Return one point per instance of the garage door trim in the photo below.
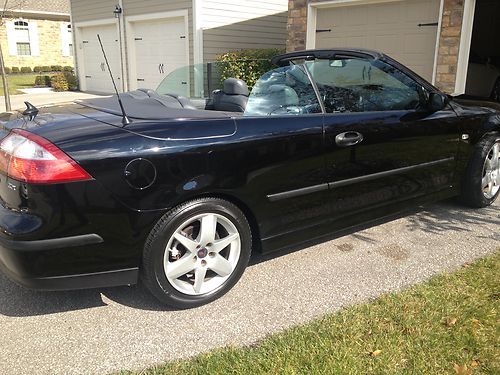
(312, 10)
(79, 65)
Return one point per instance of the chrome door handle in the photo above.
(348, 139)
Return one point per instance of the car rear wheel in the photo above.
(482, 181)
(196, 252)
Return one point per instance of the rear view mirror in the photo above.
(437, 101)
(337, 63)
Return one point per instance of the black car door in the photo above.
(381, 145)
(280, 156)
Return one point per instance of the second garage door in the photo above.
(160, 47)
(405, 30)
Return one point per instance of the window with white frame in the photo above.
(22, 35)
(66, 40)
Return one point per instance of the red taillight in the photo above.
(29, 158)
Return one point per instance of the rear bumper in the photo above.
(15, 257)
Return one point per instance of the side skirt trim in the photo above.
(297, 192)
(354, 180)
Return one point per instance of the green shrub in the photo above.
(59, 82)
(45, 69)
(7, 70)
(42, 81)
(56, 68)
(15, 70)
(247, 64)
(67, 68)
(37, 69)
(72, 80)
(26, 69)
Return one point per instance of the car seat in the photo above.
(232, 98)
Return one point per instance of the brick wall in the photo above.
(297, 25)
(49, 40)
(449, 40)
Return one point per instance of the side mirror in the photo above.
(437, 101)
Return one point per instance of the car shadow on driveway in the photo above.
(17, 301)
(436, 219)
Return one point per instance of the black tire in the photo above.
(152, 272)
(495, 94)
(472, 190)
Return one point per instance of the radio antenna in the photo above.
(125, 119)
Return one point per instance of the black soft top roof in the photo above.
(284, 59)
(148, 108)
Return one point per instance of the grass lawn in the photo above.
(18, 81)
(449, 325)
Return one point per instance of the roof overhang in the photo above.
(37, 14)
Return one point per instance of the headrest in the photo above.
(234, 86)
(283, 95)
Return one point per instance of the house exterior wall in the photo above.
(91, 10)
(229, 25)
(449, 37)
(49, 42)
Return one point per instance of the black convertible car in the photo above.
(181, 191)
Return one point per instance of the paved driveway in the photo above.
(99, 331)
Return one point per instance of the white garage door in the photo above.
(159, 48)
(94, 71)
(405, 30)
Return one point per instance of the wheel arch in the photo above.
(245, 208)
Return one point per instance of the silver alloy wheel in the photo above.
(202, 253)
(490, 182)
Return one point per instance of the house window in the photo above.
(22, 35)
(23, 49)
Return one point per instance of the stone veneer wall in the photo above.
(49, 41)
(449, 40)
(449, 45)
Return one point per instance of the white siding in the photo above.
(217, 13)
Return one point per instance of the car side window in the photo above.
(361, 85)
(285, 91)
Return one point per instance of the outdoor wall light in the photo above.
(117, 11)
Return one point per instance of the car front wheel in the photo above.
(482, 181)
(196, 252)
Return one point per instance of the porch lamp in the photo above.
(117, 11)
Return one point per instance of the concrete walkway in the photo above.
(106, 330)
(44, 99)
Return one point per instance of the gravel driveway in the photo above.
(99, 331)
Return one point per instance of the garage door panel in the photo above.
(389, 43)
(422, 11)
(389, 27)
(96, 74)
(385, 13)
(160, 48)
(417, 44)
